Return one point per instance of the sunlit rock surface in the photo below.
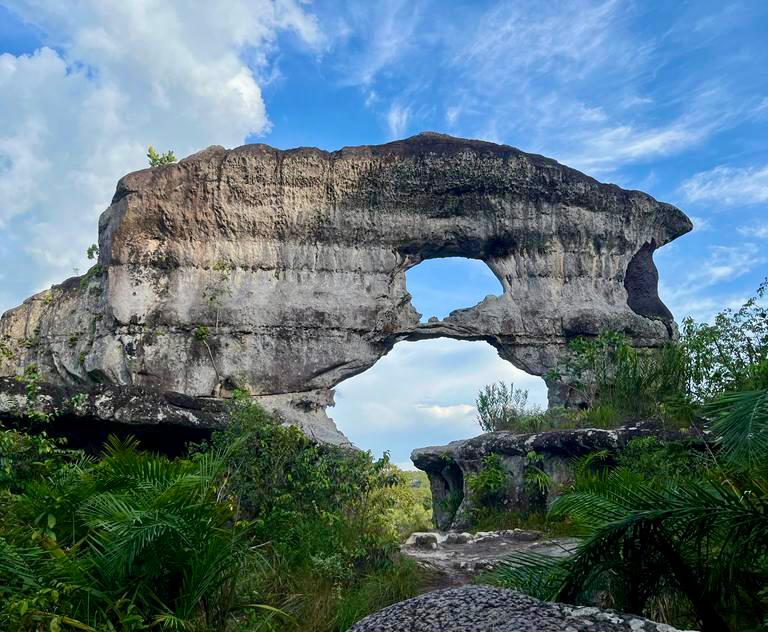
(283, 272)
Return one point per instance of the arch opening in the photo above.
(442, 285)
(422, 393)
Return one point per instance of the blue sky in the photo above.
(667, 97)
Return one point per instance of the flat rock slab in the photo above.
(458, 557)
(486, 609)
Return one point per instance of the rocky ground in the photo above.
(456, 558)
(486, 609)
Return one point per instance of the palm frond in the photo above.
(740, 421)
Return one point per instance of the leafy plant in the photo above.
(729, 353)
(699, 540)
(502, 407)
(131, 541)
(490, 482)
(94, 272)
(160, 160)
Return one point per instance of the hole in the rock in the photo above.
(423, 394)
(439, 286)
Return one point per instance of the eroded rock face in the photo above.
(486, 609)
(283, 272)
(450, 467)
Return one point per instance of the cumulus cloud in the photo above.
(421, 392)
(453, 411)
(115, 77)
(728, 185)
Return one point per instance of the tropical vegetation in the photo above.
(677, 531)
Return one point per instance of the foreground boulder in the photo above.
(283, 272)
(486, 609)
(451, 466)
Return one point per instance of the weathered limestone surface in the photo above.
(295, 263)
(450, 466)
(486, 609)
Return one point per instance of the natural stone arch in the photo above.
(315, 246)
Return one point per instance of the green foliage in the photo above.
(160, 160)
(201, 333)
(131, 541)
(489, 483)
(666, 528)
(92, 252)
(677, 531)
(731, 353)
(502, 407)
(5, 351)
(34, 409)
(618, 382)
(94, 272)
(333, 518)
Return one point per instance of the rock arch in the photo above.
(284, 271)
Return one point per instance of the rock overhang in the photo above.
(283, 272)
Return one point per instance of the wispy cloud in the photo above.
(728, 185)
(379, 34)
(397, 120)
(759, 231)
(691, 294)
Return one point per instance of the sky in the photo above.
(667, 97)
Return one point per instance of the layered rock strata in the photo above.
(283, 272)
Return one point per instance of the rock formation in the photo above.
(450, 466)
(486, 609)
(283, 272)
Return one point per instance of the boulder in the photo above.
(486, 609)
(283, 272)
(450, 467)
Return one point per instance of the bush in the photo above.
(130, 541)
(502, 407)
(333, 519)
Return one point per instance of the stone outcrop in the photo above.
(283, 272)
(455, 558)
(486, 609)
(450, 467)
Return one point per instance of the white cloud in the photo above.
(386, 31)
(419, 394)
(760, 231)
(397, 120)
(700, 224)
(123, 75)
(453, 411)
(728, 185)
(691, 294)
